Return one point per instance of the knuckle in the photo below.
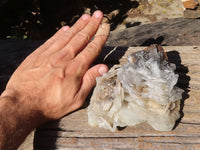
(59, 75)
(66, 36)
(93, 48)
(79, 65)
(79, 25)
(70, 51)
(55, 60)
(70, 71)
(74, 68)
(83, 36)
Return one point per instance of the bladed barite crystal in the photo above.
(142, 90)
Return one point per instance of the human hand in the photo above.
(55, 79)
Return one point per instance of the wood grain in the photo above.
(73, 131)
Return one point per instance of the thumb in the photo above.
(89, 79)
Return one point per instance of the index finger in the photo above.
(93, 49)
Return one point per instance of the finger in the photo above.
(89, 81)
(93, 49)
(50, 41)
(67, 36)
(82, 37)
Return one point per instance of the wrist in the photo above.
(17, 119)
(21, 107)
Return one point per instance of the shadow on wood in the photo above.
(109, 56)
(73, 131)
(183, 80)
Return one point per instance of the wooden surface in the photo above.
(73, 131)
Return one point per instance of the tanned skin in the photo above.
(52, 81)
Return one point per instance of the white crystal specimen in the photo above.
(142, 90)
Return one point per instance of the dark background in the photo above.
(39, 19)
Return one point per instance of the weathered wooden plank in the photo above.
(176, 31)
(75, 125)
(73, 131)
(130, 143)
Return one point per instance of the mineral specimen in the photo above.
(142, 90)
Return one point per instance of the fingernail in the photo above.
(65, 28)
(85, 17)
(102, 70)
(97, 14)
